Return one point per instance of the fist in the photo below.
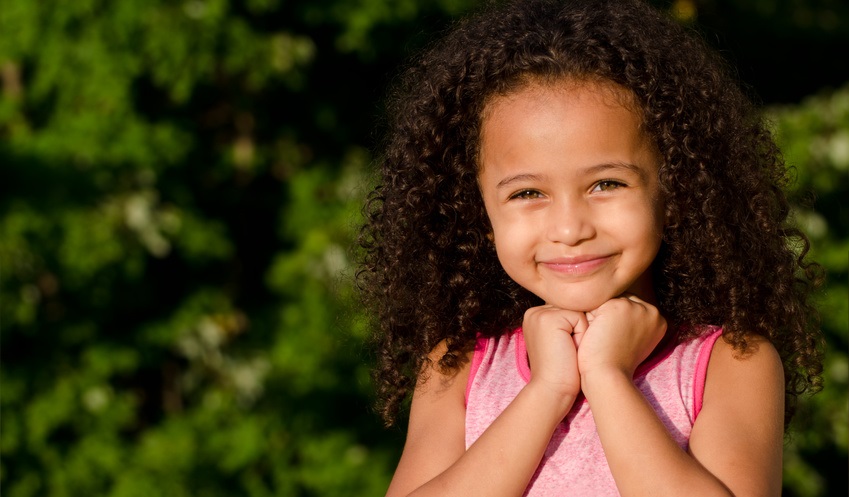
(621, 334)
(552, 351)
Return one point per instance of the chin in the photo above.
(582, 303)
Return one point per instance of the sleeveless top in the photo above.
(574, 462)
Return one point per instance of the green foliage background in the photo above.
(181, 185)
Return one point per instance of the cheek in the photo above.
(653, 234)
(499, 233)
(511, 246)
(503, 248)
(639, 227)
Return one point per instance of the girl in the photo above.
(580, 262)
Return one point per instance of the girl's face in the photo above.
(569, 181)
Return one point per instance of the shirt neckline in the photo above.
(663, 351)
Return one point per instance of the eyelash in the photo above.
(611, 184)
(526, 195)
(603, 185)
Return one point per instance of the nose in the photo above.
(570, 221)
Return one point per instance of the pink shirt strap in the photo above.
(481, 345)
(701, 371)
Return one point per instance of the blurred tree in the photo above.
(815, 139)
(181, 185)
(784, 49)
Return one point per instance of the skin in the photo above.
(570, 187)
(569, 181)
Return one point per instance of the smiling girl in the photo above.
(581, 264)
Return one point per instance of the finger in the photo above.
(580, 329)
(575, 321)
(634, 299)
(581, 324)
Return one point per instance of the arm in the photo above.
(735, 445)
(739, 433)
(504, 458)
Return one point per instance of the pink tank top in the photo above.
(574, 463)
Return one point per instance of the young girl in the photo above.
(580, 262)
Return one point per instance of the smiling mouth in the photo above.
(575, 266)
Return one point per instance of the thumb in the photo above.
(580, 328)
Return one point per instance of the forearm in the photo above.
(643, 457)
(503, 460)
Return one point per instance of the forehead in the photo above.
(572, 119)
(606, 91)
(504, 111)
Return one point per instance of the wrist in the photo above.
(602, 378)
(556, 400)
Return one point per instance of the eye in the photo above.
(607, 185)
(526, 195)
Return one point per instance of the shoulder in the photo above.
(439, 397)
(738, 381)
(758, 365)
(436, 431)
(738, 434)
(436, 381)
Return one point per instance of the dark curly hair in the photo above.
(728, 257)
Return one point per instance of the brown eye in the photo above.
(526, 195)
(608, 185)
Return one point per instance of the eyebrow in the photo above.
(517, 178)
(599, 168)
(639, 171)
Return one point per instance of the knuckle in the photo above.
(532, 313)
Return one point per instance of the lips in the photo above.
(575, 266)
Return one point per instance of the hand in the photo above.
(622, 333)
(552, 351)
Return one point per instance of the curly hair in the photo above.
(728, 257)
